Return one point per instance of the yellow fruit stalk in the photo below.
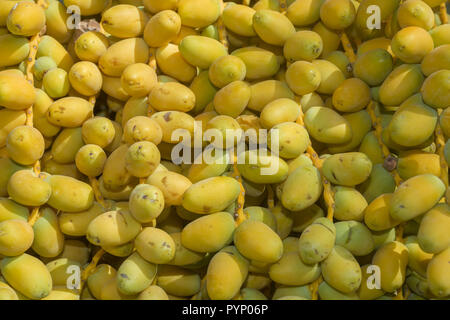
(328, 197)
(34, 42)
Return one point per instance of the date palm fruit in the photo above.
(124, 21)
(162, 28)
(26, 19)
(272, 27)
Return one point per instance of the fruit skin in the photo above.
(279, 111)
(169, 121)
(69, 194)
(373, 66)
(226, 273)
(162, 28)
(146, 203)
(248, 239)
(293, 139)
(10, 119)
(208, 233)
(113, 228)
(377, 214)
(85, 77)
(27, 189)
(88, 8)
(415, 196)
(25, 145)
(100, 276)
(16, 237)
(261, 168)
(56, 83)
(178, 281)
(400, 84)
(304, 12)
(291, 271)
(339, 59)
(121, 54)
(56, 17)
(204, 91)
(173, 185)
(16, 93)
(392, 259)
(135, 275)
(267, 91)
(197, 200)
(171, 62)
(351, 96)
(155, 6)
(232, 99)
(303, 45)
(76, 224)
(239, 19)
(201, 51)
(347, 169)
(28, 275)
(9, 210)
(294, 198)
(432, 235)
(330, 38)
(412, 112)
(327, 292)
(349, 204)
(155, 245)
(198, 13)
(226, 70)
(124, 21)
(48, 239)
(40, 108)
(440, 35)
(360, 124)
(337, 14)
(259, 63)
(90, 46)
(7, 293)
(415, 13)
(418, 259)
(379, 182)
(172, 96)
(66, 145)
(437, 274)
(69, 112)
(303, 77)
(413, 163)
(26, 19)
(327, 126)
(272, 27)
(50, 47)
(341, 270)
(435, 89)
(153, 293)
(142, 158)
(14, 49)
(331, 76)
(436, 60)
(142, 128)
(317, 241)
(411, 44)
(355, 237)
